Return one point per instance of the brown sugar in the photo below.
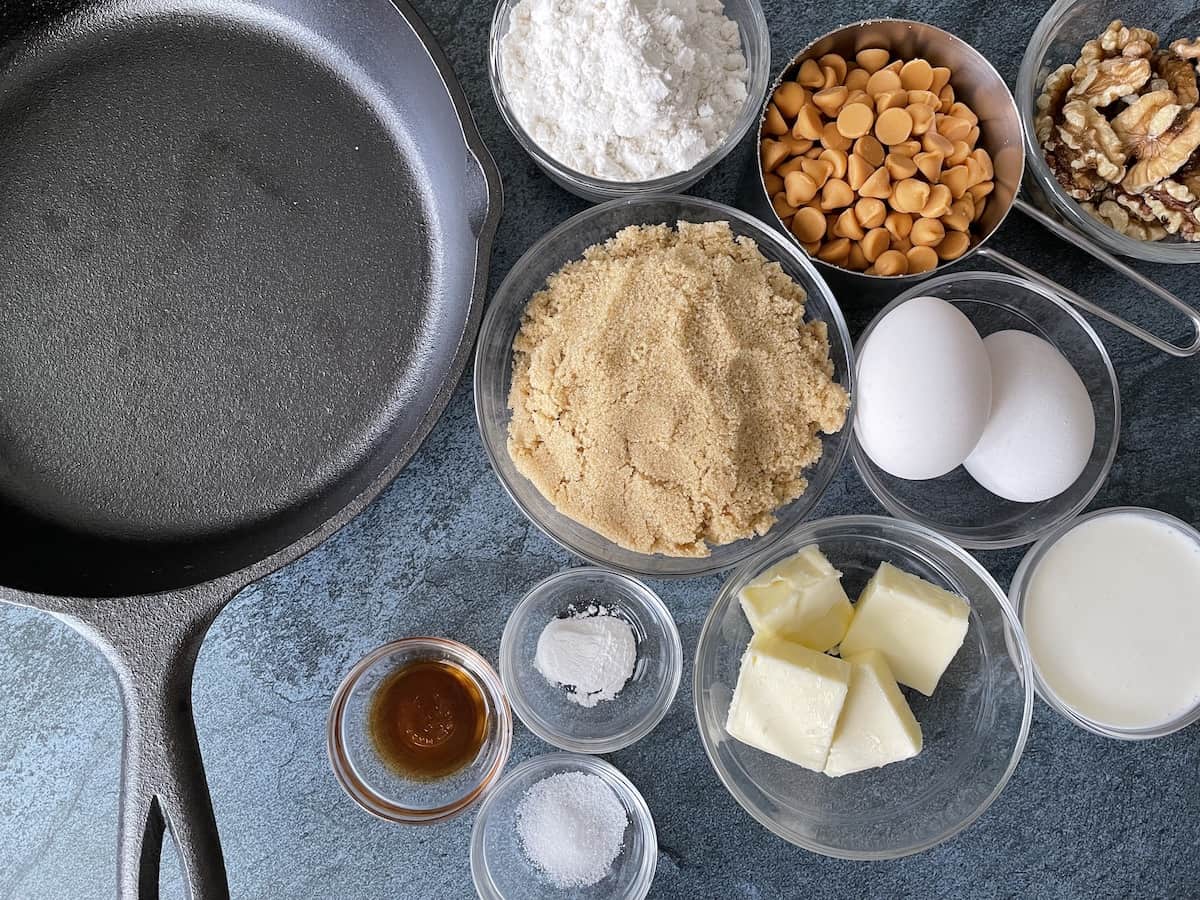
(667, 392)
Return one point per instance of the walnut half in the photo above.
(1169, 154)
(1101, 82)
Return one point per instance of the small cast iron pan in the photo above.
(243, 250)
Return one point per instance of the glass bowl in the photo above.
(1018, 592)
(493, 372)
(498, 864)
(1065, 27)
(756, 47)
(380, 789)
(974, 726)
(546, 709)
(955, 504)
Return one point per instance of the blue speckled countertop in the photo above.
(443, 551)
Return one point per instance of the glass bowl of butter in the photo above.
(877, 681)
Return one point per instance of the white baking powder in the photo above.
(624, 90)
(592, 652)
(572, 827)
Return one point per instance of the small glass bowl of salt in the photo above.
(564, 825)
(590, 660)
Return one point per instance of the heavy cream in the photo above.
(1112, 614)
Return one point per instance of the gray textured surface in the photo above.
(444, 552)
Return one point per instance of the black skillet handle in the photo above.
(152, 643)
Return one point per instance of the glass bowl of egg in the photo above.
(907, 734)
(988, 409)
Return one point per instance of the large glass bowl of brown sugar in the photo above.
(671, 418)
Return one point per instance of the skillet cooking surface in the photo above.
(223, 308)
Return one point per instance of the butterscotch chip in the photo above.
(941, 78)
(789, 97)
(894, 126)
(954, 245)
(952, 128)
(974, 171)
(848, 226)
(883, 81)
(960, 154)
(855, 120)
(891, 262)
(810, 74)
(946, 98)
(902, 244)
(874, 243)
(819, 170)
(856, 79)
(835, 251)
(932, 142)
(908, 148)
(808, 123)
(835, 62)
(927, 232)
(924, 98)
(960, 214)
(870, 212)
(638, 414)
(800, 188)
(872, 59)
(838, 159)
(962, 111)
(956, 178)
(939, 202)
(900, 167)
(861, 97)
(921, 259)
(773, 122)
(858, 171)
(870, 150)
(981, 190)
(792, 165)
(773, 153)
(811, 248)
(773, 183)
(831, 76)
(916, 75)
(836, 194)
(930, 165)
(879, 185)
(898, 225)
(984, 159)
(895, 66)
(815, 152)
(783, 209)
(909, 195)
(973, 136)
(890, 100)
(832, 139)
(856, 260)
(808, 224)
(831, 100)
(796, 146)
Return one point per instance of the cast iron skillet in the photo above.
(243, 249)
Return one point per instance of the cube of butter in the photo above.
(917, 626)
(787, 700)
(800, 599)
(876, 726)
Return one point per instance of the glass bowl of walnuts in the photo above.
(1109, 97)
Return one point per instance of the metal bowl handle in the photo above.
(1112, 262)
(163, 787)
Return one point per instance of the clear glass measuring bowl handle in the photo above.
(1068, 234)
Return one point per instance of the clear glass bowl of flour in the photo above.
(756, 48)
(500, 867)
(558, 714)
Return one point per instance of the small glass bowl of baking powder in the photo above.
(558, 713)
(500, 866)
(756, 48)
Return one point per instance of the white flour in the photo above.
(624, 90)
(592, 652)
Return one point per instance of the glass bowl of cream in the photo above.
(591, 660)
(974, 725)
(1110, 604)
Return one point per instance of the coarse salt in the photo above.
(624, 90)
(572, 827)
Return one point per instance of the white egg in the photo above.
(924, 390)
(1042, 427)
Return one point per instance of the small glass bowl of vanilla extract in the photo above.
(419, 730)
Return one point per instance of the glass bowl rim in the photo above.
(835, 320)
(863, 466)
(1018, 592)
(897, 528)
(632, 799)
(1028, 88)
(758, 77)
(363, 793)
(663, 699)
